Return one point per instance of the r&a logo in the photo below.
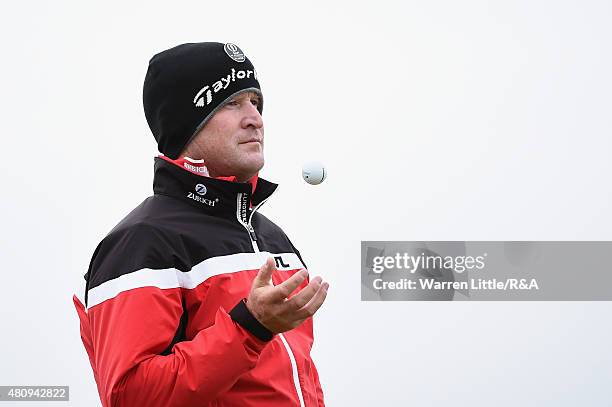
(234, 52)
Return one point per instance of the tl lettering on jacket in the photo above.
(279, 262)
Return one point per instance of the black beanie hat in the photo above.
(187, 84)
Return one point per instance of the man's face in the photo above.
(231, 142)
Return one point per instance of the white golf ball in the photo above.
(313, 172)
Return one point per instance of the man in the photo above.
(195, 298)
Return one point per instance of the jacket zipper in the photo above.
(247, 225)
(253, 237)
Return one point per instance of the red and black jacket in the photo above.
(165, 324)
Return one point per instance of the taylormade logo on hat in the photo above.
(186, 85)
(222, 83)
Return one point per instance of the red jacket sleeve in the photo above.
(127, 334)
(135, 310)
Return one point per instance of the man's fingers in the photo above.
(264, 276)
(285, 288)
(300, 299)
(314, 304)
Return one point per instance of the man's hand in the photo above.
(269, 304)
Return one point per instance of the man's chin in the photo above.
(250, 168)
(252, 160)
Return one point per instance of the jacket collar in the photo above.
(217, 197)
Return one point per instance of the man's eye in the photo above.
(255, 102)
(232, 103)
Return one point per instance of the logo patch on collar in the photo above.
(201, 190)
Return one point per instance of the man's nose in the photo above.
(252, 117)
